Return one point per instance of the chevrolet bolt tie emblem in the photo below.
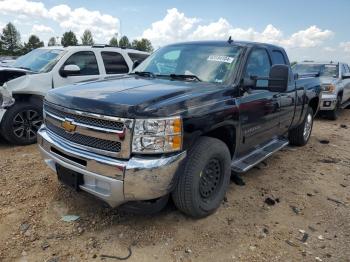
(68, 126)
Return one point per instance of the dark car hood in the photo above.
(133, 96)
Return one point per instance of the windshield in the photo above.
(39, 60)
(327, 70)
(211, 63)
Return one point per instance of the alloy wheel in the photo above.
(26, 124)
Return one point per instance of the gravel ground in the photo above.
(307, 219)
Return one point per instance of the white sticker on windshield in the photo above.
(221, 58)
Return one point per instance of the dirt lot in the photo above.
(311, 186)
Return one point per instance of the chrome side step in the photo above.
(247, 162)
(345, 105)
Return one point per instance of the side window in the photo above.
(86, 60)
(278, 58)
(137, 57)
(114, 63)
(259, 65)
(347, 69)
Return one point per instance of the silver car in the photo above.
(335, 80)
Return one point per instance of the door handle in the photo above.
(277, 96)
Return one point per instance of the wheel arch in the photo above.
(314, 103)
(227, 133)
(30, 98)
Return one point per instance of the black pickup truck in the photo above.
(179, 125)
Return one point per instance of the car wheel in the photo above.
(21, 123)
(334, 114)
(204, 178)
(300, 135)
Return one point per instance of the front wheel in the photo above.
(21, 123)
(204, 178)
(300, 135)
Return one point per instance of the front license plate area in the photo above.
(69, 177)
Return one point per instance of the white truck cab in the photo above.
(24, 84)
(335, 82)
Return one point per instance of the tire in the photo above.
(300, 135)
(204, 178)
(334, 114)
(21, 123)
(148, 207)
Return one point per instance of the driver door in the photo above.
(89, 70)
(259, 108)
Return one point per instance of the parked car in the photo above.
(24, 84)
(178, 125)
(335, 80)
(7, 62)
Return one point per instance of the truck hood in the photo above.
(328, 80)
(133, 96)
(10, 73)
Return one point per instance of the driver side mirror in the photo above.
(278, 78)
(136, 64)
(70, 70)
(346, 76)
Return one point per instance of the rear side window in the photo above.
(114, 63)
(137, 57)
(86, 60)
(278, 58)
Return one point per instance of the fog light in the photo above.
(327, 103)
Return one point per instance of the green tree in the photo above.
(87, 38)
(33, 43)
(52, 42)
(124, 42)
(69, 39)
(142, 45)
(10, 40)
(114, 42)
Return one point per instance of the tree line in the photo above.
(11, 44)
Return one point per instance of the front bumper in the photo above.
(112, 180)
(328, 102)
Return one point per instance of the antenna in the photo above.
(230, 41)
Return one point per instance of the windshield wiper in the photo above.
(145, 73)
(192, 77)
(25, 68)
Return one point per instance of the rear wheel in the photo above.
(204, 178)
(21, 123)
(300, 135)
(334, 114)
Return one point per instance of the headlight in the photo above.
(329, 88)
(157, 135)
(6, 98)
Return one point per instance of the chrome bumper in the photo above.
(114, 181)
(328, 102)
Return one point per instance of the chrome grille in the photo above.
(88, 141)
(105, 135)
(85, 120)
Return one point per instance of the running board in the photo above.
(247, 162)
(345, 105)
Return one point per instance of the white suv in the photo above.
(24, 84)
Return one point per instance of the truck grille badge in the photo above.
(68, 126)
